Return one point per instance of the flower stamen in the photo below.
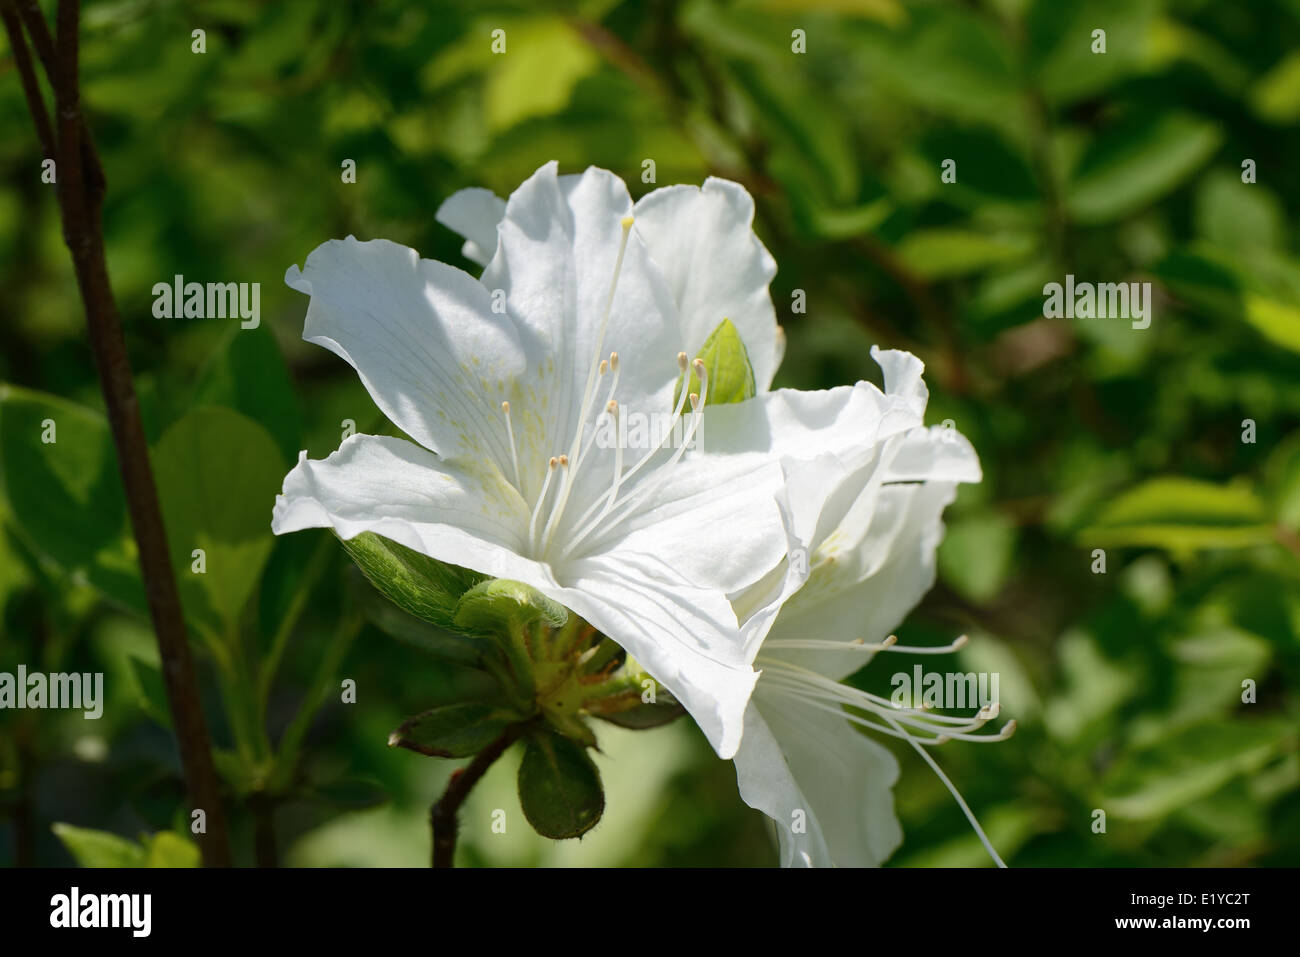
(817, 691)
(514, 455)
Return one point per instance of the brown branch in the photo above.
(442, 816)
(43, 43)
(31, 86)
(80, 189)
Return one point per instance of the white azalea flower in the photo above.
(501, 381)
(702, 240)
(869, 530)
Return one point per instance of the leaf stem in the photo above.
(443, 814)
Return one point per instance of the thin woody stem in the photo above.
(80, 180)
(27, 75)
(443, 814)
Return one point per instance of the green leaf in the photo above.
(66, 495)
(1237, 216)
(150, 690)
(1282, 474)
(546, 59)
(218, 474)
(559, 787)
(500, 605)
(419, 585)
(1276, 98)
(1180, 514)
(1060, 45)
(1279, 322)
(726, 363)
(943, 253)
(169, 849)
(93, 848)
(1192, 764)
(249, 376)
(977, 554)
(99, 848)
(1138, 162)
(950, 61)
(988, 167)
(453, 730)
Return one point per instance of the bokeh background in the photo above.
(225, 166)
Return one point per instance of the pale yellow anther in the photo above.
(891, 640)
(505, 407)
(628, 221)
(698, 366)
(554, 461)
(695, 402)
(611, 407)
(613, 360)
(604, 366)
(564, 461)
(681, 361)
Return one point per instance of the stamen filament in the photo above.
(961, 802)
(537, 508)
(514, 456)
(857, 645)
(608, 501)
(662, 472)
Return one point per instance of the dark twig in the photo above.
(43, 43)
(31, 86)
(443, 814)
(80, 182)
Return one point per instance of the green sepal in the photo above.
(499, 605)
(731, 377)
(454, 730)
(435, 641)
(559, 786)
(424, 587)
(621, 701)
(640, 716)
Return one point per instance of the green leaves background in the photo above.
(1126, 686)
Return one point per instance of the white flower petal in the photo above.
(394, 488)
(797, 758)
(422, 337)
(714, 518)
(849, 421)
(686, 637)
(474, 213)
(555, 258)
(867, 592)
(936, 454)
(703, 240)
